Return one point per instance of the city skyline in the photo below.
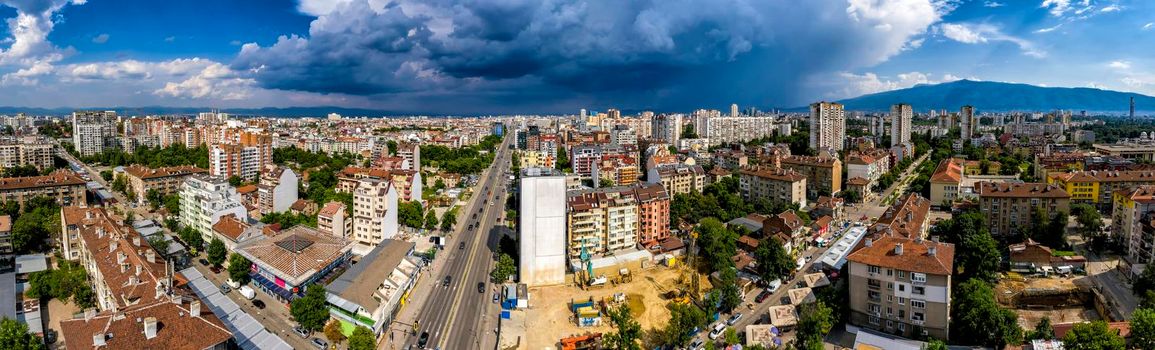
(443, 57)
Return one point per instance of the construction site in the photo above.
(1060, 299)
(568, 316)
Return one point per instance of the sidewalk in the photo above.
(402, 326)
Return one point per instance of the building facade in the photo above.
(827, 125)
(1009, 207)
(33, 151)
(678, 178)
(899, 285)
(205, 199)
(142, 179)
(900, 118)
(93, 131)
(542, 225)
(374, 213)
(277, 189)
(63, 186)
(774, 184)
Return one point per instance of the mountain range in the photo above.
(1001, 97)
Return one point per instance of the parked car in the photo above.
(215, 269)
(717, 331)
(204, 262)
(481, 287)
(225, 289)
(301, 332)
(697, 344)
(774, 285)
(320, 344)
(734, 319)
(762, 296)
(258, 304)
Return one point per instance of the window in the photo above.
(873, 283)
(889, 272)
(902, 288)
(901, 301)
(901, 327)
(918, 277)
(917, 316)
(889, 324)
(873, 296)
(873, 269)
(901, 314)
(918, 304)
(874, 320)
(902, 274)
(874, 308)
(889, 285)
(889, 298)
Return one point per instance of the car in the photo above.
(320, 344)
(461, 246)
(762, 296)
(50, 336)
(259, 304)
(225, 289)
(215, 269)
(734, 319)
(717, 331)
(423, 340)
(774, 285)
(445, 283)
(204, 262)
(301, 332)
(495, 297)
(697, 344)
(481, 287)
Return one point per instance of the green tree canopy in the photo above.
(815, 321)
(976, 319)
(1093, 336)
(310, 311)
(718, 244)
(216, 252)
(1043, 330)
(683, 319)
(773, 259)
(430, 220)
(627, 332)
(239, 268)
(504, 268)
(1143, 328)
(362, 339)
(410, 214)
(14, 336)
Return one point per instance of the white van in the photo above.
(774, 285)
(718, 329)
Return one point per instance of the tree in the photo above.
(851, 196)
(978, 256)
(409, 213)
(731, 296)
(603, 183)
(562, 159)
(448, 220)
(172, 204)
(935, 344)
(626, 332)
(310, 311)
(14, 336)
(718, 244)
(773, 259)
(362, 339)
(683, 319)
(1148, 301)
(216, 252)
(333, 332)
(20, 171)
(504, 268)
(239, 268)
(688, 132)
(1143, 328)
(730, 337)
(979, 320)
(1043, 330)
(158, 243)
(815, 321)
(192, 238)
(1145, 282)
(430, 220)
(1093, 336)
(119, 184)
(155, 198)
(235, 181)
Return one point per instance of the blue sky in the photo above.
(496, 56)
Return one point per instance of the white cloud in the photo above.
(984, 33)
(215, 81)
(1049, 29)
(1060, 8)
(170, 39)
(29, 32)
(1120, 65)
(1110, 8)
(869, 83)
(27, 76)
(1149, 25)
(100, 39)
(1095, 85)
(121, 70)
(993, 4)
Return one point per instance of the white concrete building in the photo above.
(374, 214)
(277, 189)
(205, 199)
(969, 123)
(667, 128)
(900, 116)
(93, 131)
(827, 125)
(542, 223)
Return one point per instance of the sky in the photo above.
(553, 56)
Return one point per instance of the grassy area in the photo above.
(1062, 253)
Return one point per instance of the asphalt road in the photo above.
(457, 316)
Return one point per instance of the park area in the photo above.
(647, 296)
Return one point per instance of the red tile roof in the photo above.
(176, 328)
(915, 255)
(949, 170)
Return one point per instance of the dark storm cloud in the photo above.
(672, 53)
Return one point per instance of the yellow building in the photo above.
(1096, 187)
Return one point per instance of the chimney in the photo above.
(150, 256)
(136, 241)
(194, 309)
(99, 232)
(935, 239)
(88, 215)
(898, 249)
(112, 246)
(121, 257)
(149, 327)
(869, 242)
(138, 267)
(159, 290)
(98, 339)
(932, 250)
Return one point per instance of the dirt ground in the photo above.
(1015, 283)
(552, 320)
(58, 311)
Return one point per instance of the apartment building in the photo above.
(244, 158)
(823, 174)
(406, 182)
(411, 152)
(1131, 222)
(900, 117)
(93, 131)
(654, 213)
(667, 128)
(205, 199)
(140, 309)
(333, 219)
(542, 237)
(869, 165)
(142, 179)
(34, 151)
(277, 190)
(537, 159)
(969, 123)
(374, 213)
(63, 185)
(620, 169)
(732, 129)
(1096, 187)
(906, 218)
(774, 184)
(946, 182)
(371, 292)
(899, 285)
(678, 178)
(601, 221)
(1008, 207)
(827, 125)
(623, 135)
